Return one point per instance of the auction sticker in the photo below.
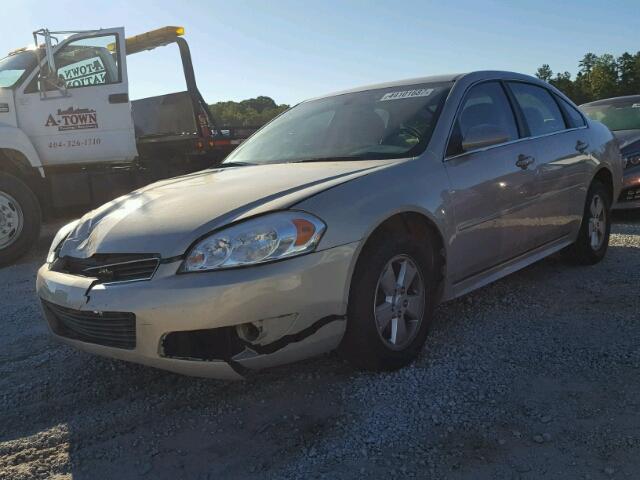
(420, 92)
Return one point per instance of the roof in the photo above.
(452, 77)
(613, 100)
(446, 78)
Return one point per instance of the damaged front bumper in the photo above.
(220, 324)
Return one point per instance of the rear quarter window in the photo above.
(573, 116)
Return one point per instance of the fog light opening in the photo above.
(248, 332)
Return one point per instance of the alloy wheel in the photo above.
(399, 302)
(597, 223)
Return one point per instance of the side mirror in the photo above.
(482, 136)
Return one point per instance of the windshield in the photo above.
(14, 66)
(621, 114)
(392, 122)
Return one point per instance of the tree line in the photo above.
(600, 76)
(252, 112)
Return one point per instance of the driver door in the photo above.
(87, 119)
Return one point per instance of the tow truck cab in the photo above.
(71, 138)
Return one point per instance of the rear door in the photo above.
(560, 139)
(90, 120)
(493, 197)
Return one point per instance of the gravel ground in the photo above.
(535, 376)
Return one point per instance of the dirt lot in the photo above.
(536, 376)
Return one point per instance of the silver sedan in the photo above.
(339, 225)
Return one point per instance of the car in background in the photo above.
(622, 116)
(340, 224)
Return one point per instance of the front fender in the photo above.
(12, 138)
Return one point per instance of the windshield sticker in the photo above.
(81, 74)
(420, 92)
(635, 105)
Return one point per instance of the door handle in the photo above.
(119, 98)
(524, 161)
(581, 146)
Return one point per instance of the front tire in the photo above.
(593, 239)
(20, 218)
(391, 303)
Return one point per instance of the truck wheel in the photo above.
(20, 218)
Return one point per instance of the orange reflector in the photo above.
(305, 231)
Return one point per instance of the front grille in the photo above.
(630, 194)
(111, 329)
(110, 268)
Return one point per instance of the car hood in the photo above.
(628, 141)
(166, 217)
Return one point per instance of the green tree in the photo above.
(629, 70)
(253, 112)
(544, 73)
(587, 63)
(598, 77)
(603, 77)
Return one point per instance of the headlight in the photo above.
(632, 161)
(259, 240)
(60, 237)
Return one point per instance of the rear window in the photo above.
(540, 110)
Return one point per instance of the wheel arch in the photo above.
(16, 163)
(605, 176)
(416, 224)
(15, 142)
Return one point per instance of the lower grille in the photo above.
(630, 195)
(110, 268)
(111, 329)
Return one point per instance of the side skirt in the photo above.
(502, 270)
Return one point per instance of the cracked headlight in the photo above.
(258, 240)
(60, 237)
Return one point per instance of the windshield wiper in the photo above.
(330, 159)
(234, 164)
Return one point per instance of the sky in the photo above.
(292, 50)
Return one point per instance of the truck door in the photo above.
(87, 118)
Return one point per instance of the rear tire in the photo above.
(366, 343)
(20, 218)
(593, 239)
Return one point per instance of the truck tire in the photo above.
(20, 218)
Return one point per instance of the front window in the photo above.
(393, 122)
(620, 114)
(13, 67)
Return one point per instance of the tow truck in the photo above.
(71, 138)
